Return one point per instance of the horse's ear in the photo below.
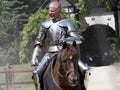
(64, 45)
(74, 43)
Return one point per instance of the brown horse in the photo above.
(63, 72)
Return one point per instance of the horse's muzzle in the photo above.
(73, 78)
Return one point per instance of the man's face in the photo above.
(53, 12)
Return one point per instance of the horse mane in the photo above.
(67, 51)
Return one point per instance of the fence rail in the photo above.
(13, 78)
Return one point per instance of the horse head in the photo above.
(66, 66)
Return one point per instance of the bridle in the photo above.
(66, 75)
(67, 72)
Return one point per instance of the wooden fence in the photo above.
(13, 78)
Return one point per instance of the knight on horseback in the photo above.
(56, 30)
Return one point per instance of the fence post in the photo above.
(13, 80)
(6, 80)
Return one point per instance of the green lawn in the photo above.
(19, 77)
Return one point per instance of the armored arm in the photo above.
(71, 33)
(38, 45)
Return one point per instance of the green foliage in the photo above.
(80, 6)
(64, 14)
(9, 14)
(106, 3)
(29, 33)
(9, 30)
(80, 9)
(116, 48)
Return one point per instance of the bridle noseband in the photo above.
(66, 75)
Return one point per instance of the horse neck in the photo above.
(59, 80)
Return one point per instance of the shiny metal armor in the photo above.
(62, 30)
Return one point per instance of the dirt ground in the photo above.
(103, 78)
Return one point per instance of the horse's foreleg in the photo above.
(36, 81)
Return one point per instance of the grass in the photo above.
(19, 77)
(20, 87)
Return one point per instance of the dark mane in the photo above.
(67, 52)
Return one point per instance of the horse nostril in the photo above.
(74, 80)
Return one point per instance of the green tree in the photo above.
(9, 31)
(116, 48)
(108, 4)
(80, 6)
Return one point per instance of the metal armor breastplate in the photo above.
(59, 30)
(55, 33)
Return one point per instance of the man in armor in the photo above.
(56, 30)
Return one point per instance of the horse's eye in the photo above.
(65, 61)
